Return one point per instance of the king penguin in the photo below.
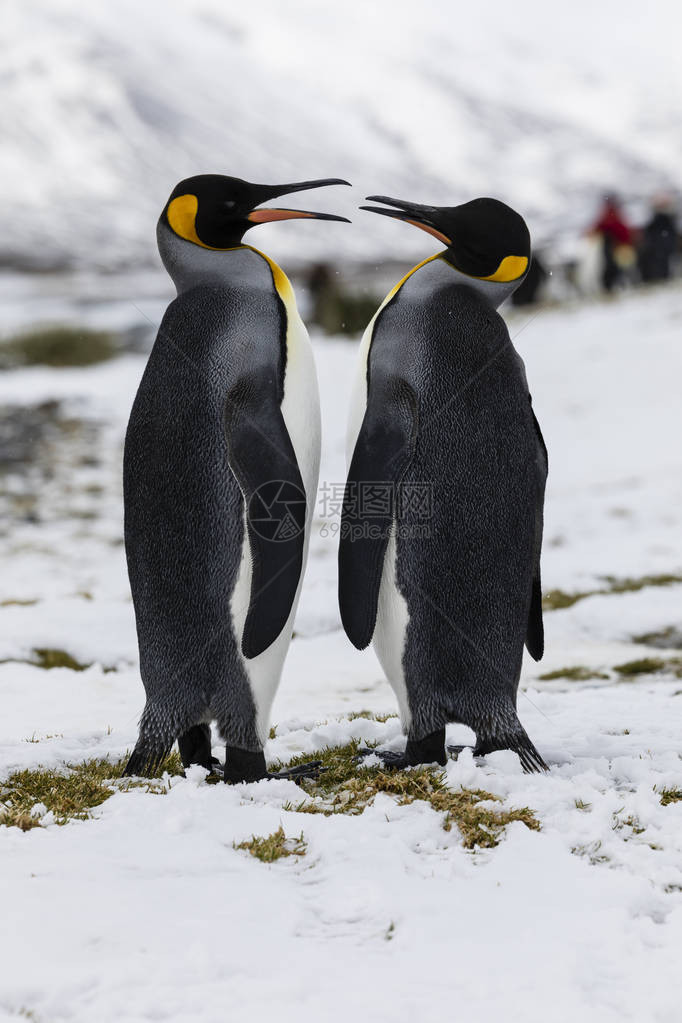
(439, 556)
(221, 463)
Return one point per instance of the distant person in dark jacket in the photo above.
(617, 240)
(658, 241)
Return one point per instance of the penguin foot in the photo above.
(245, 766)
(392, 761)
(215, 770)
(454, 751)
(312, 769)
(195, 748)
(429, 750)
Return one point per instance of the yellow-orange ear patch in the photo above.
(181, 214)
(510, 269)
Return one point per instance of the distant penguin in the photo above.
(439, 557)
(221, 465)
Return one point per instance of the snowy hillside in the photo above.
(105, 106)
(147, 911)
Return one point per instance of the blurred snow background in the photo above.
(105, 106)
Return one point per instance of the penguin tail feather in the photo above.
(519, 742)
(531, 760)
(145, 762)
(158, 731)
(535, 633)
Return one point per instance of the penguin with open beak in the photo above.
(221, 465)
(439, 557)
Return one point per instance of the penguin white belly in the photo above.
(392, 613)
(432, 271)
(358, 400)
(301, 412)
(390, 631)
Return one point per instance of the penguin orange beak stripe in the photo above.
(431, 230)
(265, 216)
(409, 213)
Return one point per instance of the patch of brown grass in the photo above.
(575, 673)
(669, 796)
(556, 600)
(650, 666)
(347, 786)
(72, 792)
(268, 848)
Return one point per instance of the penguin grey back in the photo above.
(449, 425)
(184, 510)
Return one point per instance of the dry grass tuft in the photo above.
(628, 585)
(276, 846)
(71, 793)
(575, 673)
(556, 600)
(669, 638)
(47, 658)
(368, 715)
(670, 796)
(651, 666)
(57, 346)
(347, 786)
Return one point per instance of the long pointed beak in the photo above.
(411, 213)
(266, 215)
(275, 191)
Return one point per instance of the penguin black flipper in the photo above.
(535, 634)
(263, 460)
(383, 451)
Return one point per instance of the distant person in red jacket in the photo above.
(618, 249)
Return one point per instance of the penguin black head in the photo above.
(485, 238)
(214, 211)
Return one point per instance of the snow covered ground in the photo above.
(148, 912)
